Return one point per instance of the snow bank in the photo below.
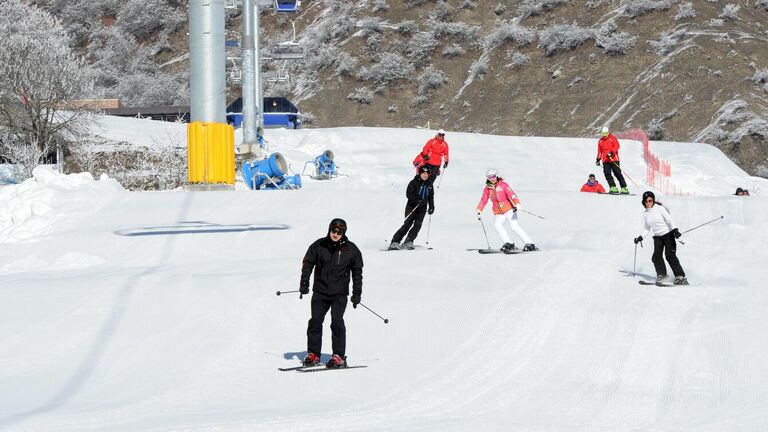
(35, 206)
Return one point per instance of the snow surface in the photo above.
(139, 311)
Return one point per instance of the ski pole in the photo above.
(286, 292)
(429, 225)
(624, 172)
(441, 178)
(484, 232)
(414, 209)
(705, 223)
(532, 214)
(385, 319)
(634, 265)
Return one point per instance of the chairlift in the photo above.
(288, 51)
(275, 77)
(287, 5)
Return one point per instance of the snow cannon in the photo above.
(269, 173)
(325, 167)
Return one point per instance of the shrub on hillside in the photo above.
(369, 25)
(420, 47)
(667, 41)
(562, 37)
(636, 8)
(390, 67)
(380, 6)
(460, 32)
(614, 42)
(143, 17)
(345, 64)
(442, 12)
(761, 77)
(762, 3)
(453, 50)
(410, 4)
(536, 7)
(509, 32)
(517, 59)
(407, 27)
(471, 4)
(730, 12)
(685, 11)
(361, 95)
(431, 79)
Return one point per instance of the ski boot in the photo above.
(660, 280)
(311, 359)
(508, 247)
(530, 247)
(613, 190)
(336, 362)
(394, 246)
(408, 245)
(624, 191)
(680, 280)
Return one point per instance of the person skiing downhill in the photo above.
(608, 152)
(333, 258)
(420, 195)
(658, 221)
(505, 205)
(432, 155)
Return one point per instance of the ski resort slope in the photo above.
(137, 311)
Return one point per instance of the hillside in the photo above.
(156, 311)
(681, 70)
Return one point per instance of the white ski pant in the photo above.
(510, 217)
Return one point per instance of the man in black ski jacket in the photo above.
(333, 259)
(421, 201)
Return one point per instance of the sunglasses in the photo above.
(649, 200)
(337, 231)
(492, 176)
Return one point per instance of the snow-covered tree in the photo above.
(40, 77)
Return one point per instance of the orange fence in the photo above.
(658, 173)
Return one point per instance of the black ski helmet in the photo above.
(647, 194)
(339, 224)
(424, 169)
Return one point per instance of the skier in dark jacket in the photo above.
(333, 259)
(421, 201)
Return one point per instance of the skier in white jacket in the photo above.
(659, 222)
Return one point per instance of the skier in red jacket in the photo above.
(592, 185)
(608, 152)
(432, 155)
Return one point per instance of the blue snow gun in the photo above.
(270, 173)
(325, 167)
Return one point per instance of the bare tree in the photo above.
(40, 77)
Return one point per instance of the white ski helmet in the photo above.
(441, 131)
(604, 131)
(491, 173)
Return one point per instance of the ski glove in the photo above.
(431, 210)
(638, 239)
(597, 161)
(426, 157)
(610, 155)
(304, 290)
(676, 233)
(445, 165)
(355, 300)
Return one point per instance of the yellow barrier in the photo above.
(210, 153)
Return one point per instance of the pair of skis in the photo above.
(493, 251)
(317, 368)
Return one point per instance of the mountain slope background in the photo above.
(682, 71)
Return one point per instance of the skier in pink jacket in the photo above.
(505, 205)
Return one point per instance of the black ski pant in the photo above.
(413, 221)
(666, 245)
(434, 171)
(320, 305)
(613, 167)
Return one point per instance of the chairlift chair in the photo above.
(287, 5)
(288, 51)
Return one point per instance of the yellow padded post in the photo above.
(211, 153)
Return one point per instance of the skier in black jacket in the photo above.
(333, 258)
(421, 201)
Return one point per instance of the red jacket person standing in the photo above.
(433, 153)
(608, 152)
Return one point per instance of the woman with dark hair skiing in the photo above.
(658, 221)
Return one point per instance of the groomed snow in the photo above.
(137, 311)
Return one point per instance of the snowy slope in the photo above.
(120, 317)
